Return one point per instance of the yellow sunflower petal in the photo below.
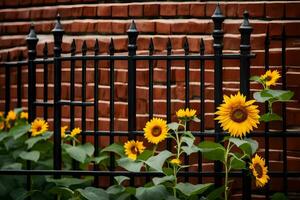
(156, 130)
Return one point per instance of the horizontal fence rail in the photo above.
(57, 103)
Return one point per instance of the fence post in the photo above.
(58, 35)
(245, 30)
(132, 37)
(218, 35)
(32, 41)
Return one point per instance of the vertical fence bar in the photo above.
(112, 105)
(218, 35)
(202, 106)
(96, 107)
(187, 92)
(58, 35)
(267, 131)
(7, 85)
(151, 51)
(169, 52)
(45, 98)
(83, 92)
(19, 81)
(31, 40)
(245, 47)
(72, 87)
(132, 38)
(283, 110)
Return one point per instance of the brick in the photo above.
(11, 3)
(119, 10)
(143, 43)
(65, 12)
(231, 9)
(211, 7)
(274, 10)
(163, 27)
(104, 10)
(275, 28)
(180, 27)
(49, 13)
(76, 11)
(24, 2)
(104, 27)
(136, 10)
(196, 26)
(183, 9)
(118, 27)
(167, 9)
(160, 43)
(291, 29)
(78, 27)
(151, 10)
(35, 14)
(89, 11)
(145, 26)
(292, 10)
(254, 9)
(197, 9)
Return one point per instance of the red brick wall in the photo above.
(87, 20)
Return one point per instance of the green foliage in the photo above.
(212, 150)
(157, 192)
(156, 162)
(189, 189)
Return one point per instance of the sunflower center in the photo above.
(239, 115)
(156, 131)
(134, 150)
(259, 170)
(38, 129)
(268, 78)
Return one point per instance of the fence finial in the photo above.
(151, 46)
(132, 36)
(31, 40)
(246, 24)
(58, 32)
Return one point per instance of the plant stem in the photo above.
(175, 180)
(226, 189)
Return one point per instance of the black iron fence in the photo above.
(244, 56)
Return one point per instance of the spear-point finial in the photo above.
(45, 50)
(111, 46)
(84, 47)
(169, 45)
(132, 27)
(73, 46)
(32, 34)
(151, 45)
(58, 27)
(96, 46)
(245, 26)
(202, 46)
(218, 12)
(186, 44)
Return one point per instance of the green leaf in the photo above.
(115, 189)
(63, 191)
(281, 95)
(19, 130)
(256, 78)
(157, 162)
(115, 148)
(253, 144)
(16, 166)
(212, 150)
(77, 153)
(33, 140)
(196, 119)
(244, 144)
(157, 192)
(262, 96)
(67, 182)
(173, 126)
(270, 117)
(88, 148)
(100, 158)
(189, 134)
(189, 189)
(30, 155)
(189, 150)
(160, 180)
(237, 163)
(3, 135)
(121, 179)
(145, 155)
(130, 165)
(279, 196)
(187, 140)
(91, 193)
(216, 194)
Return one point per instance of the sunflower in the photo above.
(156, 130)
(24, 115)
(270, 77)
(38, 127)
(186, 113)
(259, 170)
(75, 132)
(175, 161)
(133, 149)
(237, 116)
(63, 131)
(2, 125)
(10, 118)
